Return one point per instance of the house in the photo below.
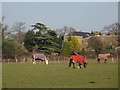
(82, 37)
(81, 34)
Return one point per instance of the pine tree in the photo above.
(42, 40)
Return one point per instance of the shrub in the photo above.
(11, 49)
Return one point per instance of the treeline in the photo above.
(18, 41)
(113, 29)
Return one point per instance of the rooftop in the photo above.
(83, 34)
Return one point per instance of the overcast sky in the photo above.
(84, 16)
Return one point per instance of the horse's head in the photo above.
(110, 54)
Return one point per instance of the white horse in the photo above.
(39, 56)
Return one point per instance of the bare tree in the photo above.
(18, 32)
(65, 30)
(3, 27)
(115, 27)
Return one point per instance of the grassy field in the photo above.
(58, 75)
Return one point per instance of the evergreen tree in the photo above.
(29, 41)
(42, 40)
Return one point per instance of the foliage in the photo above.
(92, 33)
(41, 39)
(70, 46)
(11, 49)
(8, 49)
(118, 39)
(109, 42)
(100, 33)
(3, 27)
(29, 42)
(60, 41)
(48, 42)
(102, 44)
(115, 28)
(95, 44)
(39, 26)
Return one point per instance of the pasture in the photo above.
(58, 75)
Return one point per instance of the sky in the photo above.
(83, 16)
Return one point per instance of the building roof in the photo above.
(83, 34)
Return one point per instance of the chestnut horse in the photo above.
(105, 57)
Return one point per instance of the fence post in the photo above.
(58, 59)
(23, 60)
(54, 58)
(64, 59)
(8, 61)
(16, 59)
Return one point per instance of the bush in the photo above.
(11, 49)
(70, 46)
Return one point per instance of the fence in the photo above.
(23, 60)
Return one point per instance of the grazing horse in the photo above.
(104, 56)
(39, 56)
(77, 59)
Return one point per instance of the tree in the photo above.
(40, 27)
(100, 33)
(70, 46)
(96, 44)
(64, 31)
(92, 33)
(11, 49)
(18, 32)
(48, 42)
(8, 49)
(115, 27)
(3, 27)
(102, 44)
(29, 41)
(42, 39)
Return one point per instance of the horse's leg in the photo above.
(85, 65)
(112, 60)
(98, 60)
(79, 65)
(70, 62)
(73, 65)
(105, 61)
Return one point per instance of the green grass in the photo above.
(58, 75)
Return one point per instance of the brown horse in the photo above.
(104, 56)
